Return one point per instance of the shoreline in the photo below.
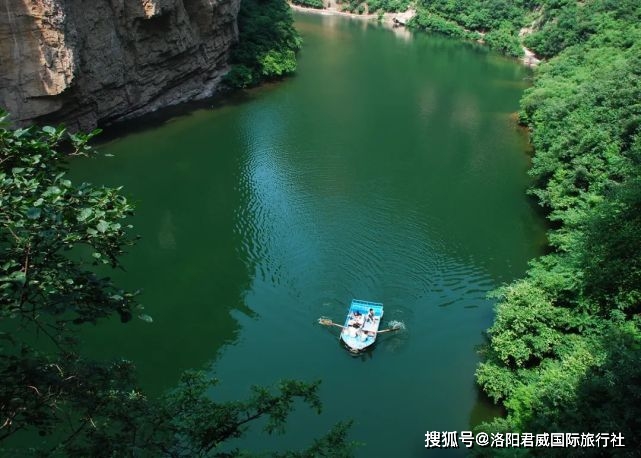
(389, 19)
(331, 12)
(529, 59)
(395, 20)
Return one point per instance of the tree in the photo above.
(267, 43)
(43, 290)
(563, 353)
(52, 235)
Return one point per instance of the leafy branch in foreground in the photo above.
(53, 234)
(50, 233)
(188, 423)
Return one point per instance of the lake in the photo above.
(389, 169)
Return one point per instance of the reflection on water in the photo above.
(388, 169)
(186, 262)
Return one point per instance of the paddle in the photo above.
(395, 327)
(328, 322)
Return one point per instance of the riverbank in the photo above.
(396, 20)
(529, 57)
(389, 19)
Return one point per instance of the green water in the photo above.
(389, 169)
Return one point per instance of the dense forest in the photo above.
(564, 353)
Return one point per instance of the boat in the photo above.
(361, 325)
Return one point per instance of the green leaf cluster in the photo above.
(390, 6)
(267, 46)
(554, 24)
(430, 22)
(564, 351)
(505, 40)
(318, 4)
(478, 15)
(44, 218)
(187, 422)
(564, 23)
(495, 22)
(52, 233)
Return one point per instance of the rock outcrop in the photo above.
(90, 62)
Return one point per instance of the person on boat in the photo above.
(356, 320)
(352, 330)
(370, 316)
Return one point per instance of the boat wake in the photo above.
(397, 325)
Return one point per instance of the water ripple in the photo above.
(303, 225)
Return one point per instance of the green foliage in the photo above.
(43, 217)
(276, 63)
(239, 76)
(478, 15)
(318, 4)
(188, 423)
(505, 40)
(564, 351)
(352, 6)
(497, 381)
(526, 327)
(52, 234)
(567, 23)
(456, 19)
(568, 333)
(391, 6)
(611, 249)
(498, 21)
(431, 22)
(558, 24)
(267, 45)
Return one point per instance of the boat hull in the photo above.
(358, 336)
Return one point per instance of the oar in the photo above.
(328, 322)
(387, 330)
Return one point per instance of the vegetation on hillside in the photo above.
(360, 6)
(564, 353)
(390, 6)
(267, 44)
(561, 24)
(496, 22)
(374, 6)
(318, 4)
(52, 235)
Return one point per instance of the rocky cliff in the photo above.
(89, 62)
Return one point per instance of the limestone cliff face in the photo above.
(85, 62)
